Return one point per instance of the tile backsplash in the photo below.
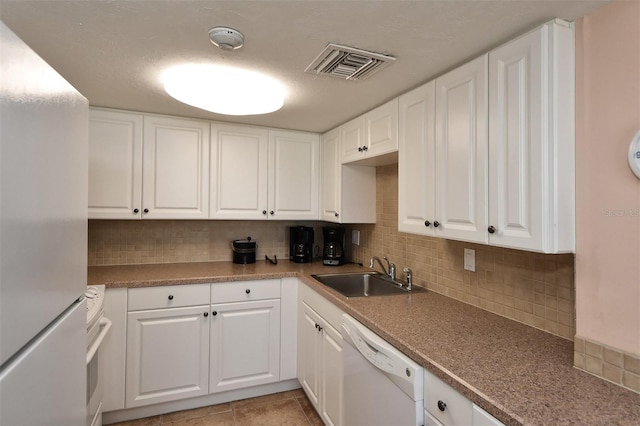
(126, 242)
(531, 288)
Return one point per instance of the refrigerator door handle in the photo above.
(105, 325)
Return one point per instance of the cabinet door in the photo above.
(167, 355)
(238, 172)
(330, 177)
(517, 142)
(381, 129)
(331, 375)
(461, 152)
(294, 175)
(416, 161)
(176, 168)
(309, 353)
(352, 140)
(115, 165)
(245, 344)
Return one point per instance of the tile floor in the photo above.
(291, 408)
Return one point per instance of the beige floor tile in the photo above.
(298, 393)
(251, 402)
(280, 413)
(219, 419)
(309, 411)
(195, 413)
(147, 421)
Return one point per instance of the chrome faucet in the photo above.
(409, 275)
(390, 270)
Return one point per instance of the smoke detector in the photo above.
(226, 38)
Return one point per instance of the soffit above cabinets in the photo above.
(114, 51)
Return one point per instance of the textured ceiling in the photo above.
(114, 51)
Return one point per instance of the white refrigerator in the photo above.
(43, 241)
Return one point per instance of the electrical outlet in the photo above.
(355, 237)
(470, 260)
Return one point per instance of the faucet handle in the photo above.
(409, 274)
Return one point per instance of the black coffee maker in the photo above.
(300, 244)
(333, 252)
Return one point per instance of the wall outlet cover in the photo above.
(470, 260)
(355, 237)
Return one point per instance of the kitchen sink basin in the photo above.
(363, 284)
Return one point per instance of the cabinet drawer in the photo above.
(438, 395)
(241, 291)
(172, 296)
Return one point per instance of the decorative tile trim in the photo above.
(609, 363)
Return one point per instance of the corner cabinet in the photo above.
(294, 175)
(371, 135)
(264, 174)
(320, 355)
(503, 144)
(348, 192)
(149, 167)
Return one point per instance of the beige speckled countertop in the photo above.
(519, 374)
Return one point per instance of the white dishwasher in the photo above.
(382, 386)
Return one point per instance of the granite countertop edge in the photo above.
(459, 371)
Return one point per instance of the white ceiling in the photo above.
(114, 51)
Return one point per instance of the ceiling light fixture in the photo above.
(224, 90)
(226, 38)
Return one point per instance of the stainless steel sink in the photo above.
(362, 284)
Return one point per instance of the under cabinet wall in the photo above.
(127, 242)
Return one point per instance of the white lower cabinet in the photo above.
(245, 344)
(320, 356)
(185, 341)
(444, 406)
(167, 354)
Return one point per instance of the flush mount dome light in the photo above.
(224, 90)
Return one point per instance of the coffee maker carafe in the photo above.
(300, 244)
(333, 252)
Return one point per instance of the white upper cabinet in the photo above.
(504, 148)
(348, 193)
(461, 153)
(238, 178)
(352, 134)
(175, 168)
(416, 161)
(294, 175)
(115, 164)
(149, 167)
(330, 176)
(371, 136)
(531, 140)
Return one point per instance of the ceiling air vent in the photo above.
(348, 63)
